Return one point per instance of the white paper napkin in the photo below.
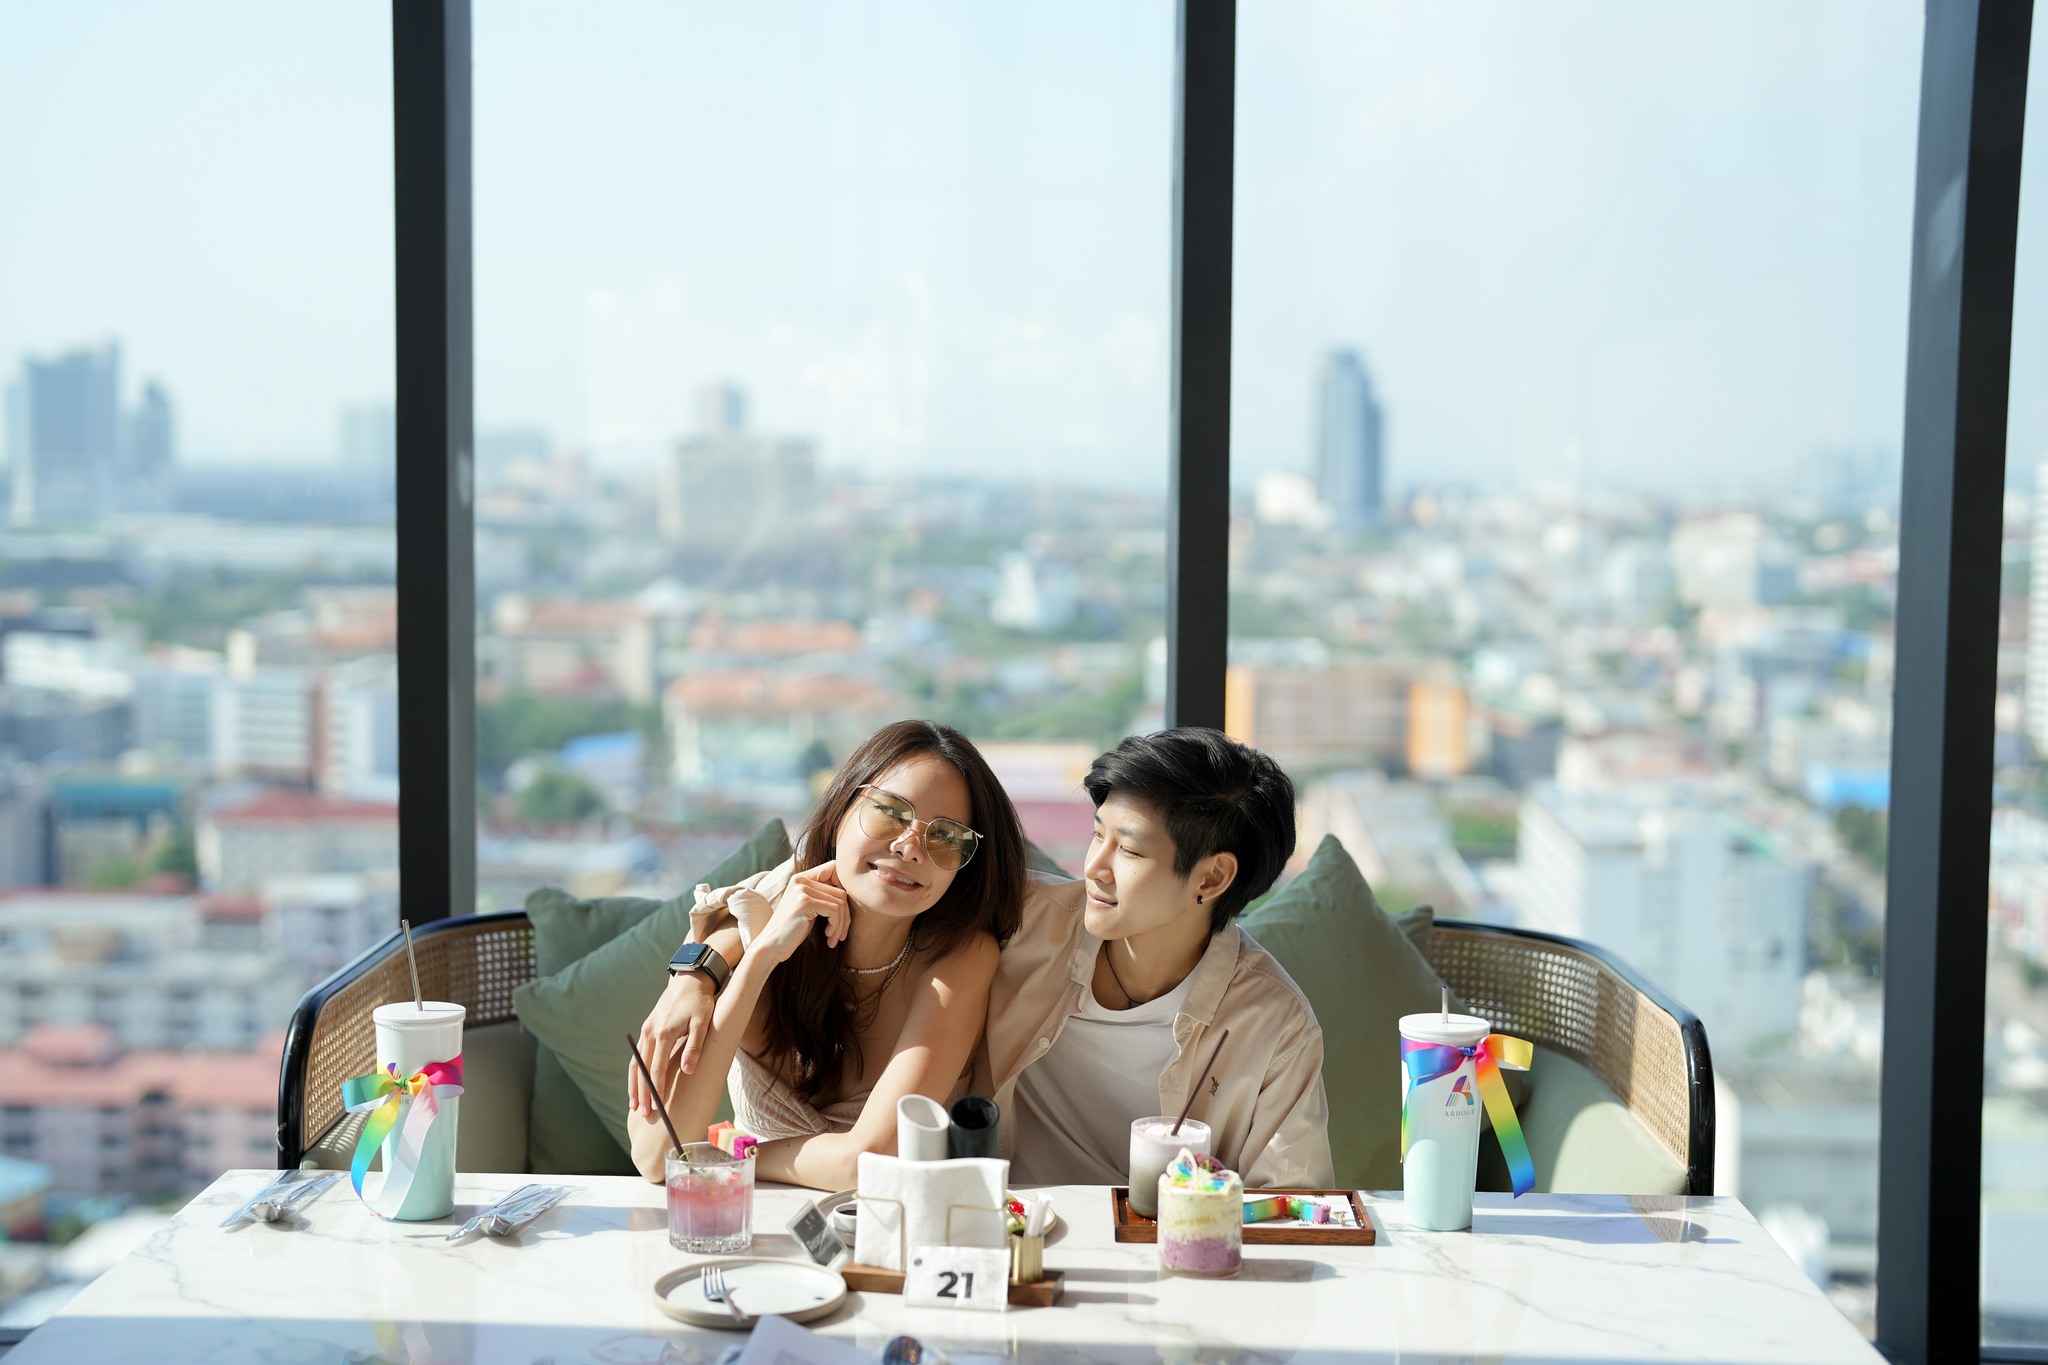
(908, 1204)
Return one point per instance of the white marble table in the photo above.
(1551, 1278)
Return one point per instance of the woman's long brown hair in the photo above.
(814, 1018)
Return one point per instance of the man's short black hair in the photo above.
(1216, 796)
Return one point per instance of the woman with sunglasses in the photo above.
(866, 965)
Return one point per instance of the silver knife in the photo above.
(524, 1203)
(269, 1191)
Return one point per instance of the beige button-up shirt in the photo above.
(1264, 1103)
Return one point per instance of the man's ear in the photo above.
(1213, 875)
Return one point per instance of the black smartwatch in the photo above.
(701, 957)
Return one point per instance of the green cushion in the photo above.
(1582, 1139)
(600, 964)
(1360, 973)
(563, 1135)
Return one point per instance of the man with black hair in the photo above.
(1112, 995)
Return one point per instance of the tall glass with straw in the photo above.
(411, 1035)
(1440, 1122)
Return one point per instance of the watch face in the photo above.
(689, 955)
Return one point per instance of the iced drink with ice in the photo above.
(710, 1200)
(1154, 1145)
(1201, 1217)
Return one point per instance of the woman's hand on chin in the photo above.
(811, 896)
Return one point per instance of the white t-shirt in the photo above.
(1075, 1104)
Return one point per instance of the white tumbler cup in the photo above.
(1442, 1163)
(922, 1129)
(410, 1036)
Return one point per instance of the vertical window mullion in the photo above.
(1198, 499)
(436, 575)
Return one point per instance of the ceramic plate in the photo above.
(757, 1284)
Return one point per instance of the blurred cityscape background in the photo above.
(1563, 549)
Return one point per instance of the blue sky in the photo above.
(1644, 246)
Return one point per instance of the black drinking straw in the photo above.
(1197, 1087)
(655, 1091)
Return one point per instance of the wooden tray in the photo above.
(1136, 1227)
(874, 1280)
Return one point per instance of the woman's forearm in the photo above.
(823, 1161)
(692, 1100)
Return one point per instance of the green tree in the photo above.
(177, 857)
(520, 723)
(1864, 832)
(115, 873)
(559, 798)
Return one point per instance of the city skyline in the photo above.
(972, 265)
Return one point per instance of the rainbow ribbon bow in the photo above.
(384, 1093)
(1427, 1061)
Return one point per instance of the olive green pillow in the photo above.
(568, 1131)
(563, 1135)
(1582, 1138)
(1361, 973)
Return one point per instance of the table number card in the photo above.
(958, 1277)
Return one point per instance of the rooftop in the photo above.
(284, 805)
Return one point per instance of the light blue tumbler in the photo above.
(1440, 1119)
(410, 1036)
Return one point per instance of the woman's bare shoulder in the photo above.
(976, 957)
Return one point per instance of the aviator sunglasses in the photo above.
(884, 815)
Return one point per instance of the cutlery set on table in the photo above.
(291, 1191)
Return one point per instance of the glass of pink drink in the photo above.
(710, 1200)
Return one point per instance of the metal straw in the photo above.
(655, 1091)
(1447, 1005)
(412, 964)
(1197, 1088)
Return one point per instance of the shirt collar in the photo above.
(1210, 978)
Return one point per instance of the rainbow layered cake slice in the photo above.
(1201, 1217)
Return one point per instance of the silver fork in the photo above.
(716, 1291)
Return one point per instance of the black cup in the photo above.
(972, 1131)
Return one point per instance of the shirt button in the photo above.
(1044, 1043)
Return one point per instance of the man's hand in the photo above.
(811, 896)
(672, 1038)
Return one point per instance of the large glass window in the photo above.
(821, 381)
(1568, 374)
(197, 672)
(2015, 1299)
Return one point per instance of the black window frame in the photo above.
(1971, 124)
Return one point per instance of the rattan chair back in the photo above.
(1579, 1002)
(474, 961)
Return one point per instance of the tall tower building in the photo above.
(152, 436)
(64, 435)
(1349, 459)
(728, 485)
(2037, 620)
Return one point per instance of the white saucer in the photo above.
(759, 1285)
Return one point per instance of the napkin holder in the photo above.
(908, 1204)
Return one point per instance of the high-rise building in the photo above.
(64, 435)
(2037, 620)
(1350, 470)
(151, 447)
(728, 486)
(1693, 895)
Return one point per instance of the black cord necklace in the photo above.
(1109, 961)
